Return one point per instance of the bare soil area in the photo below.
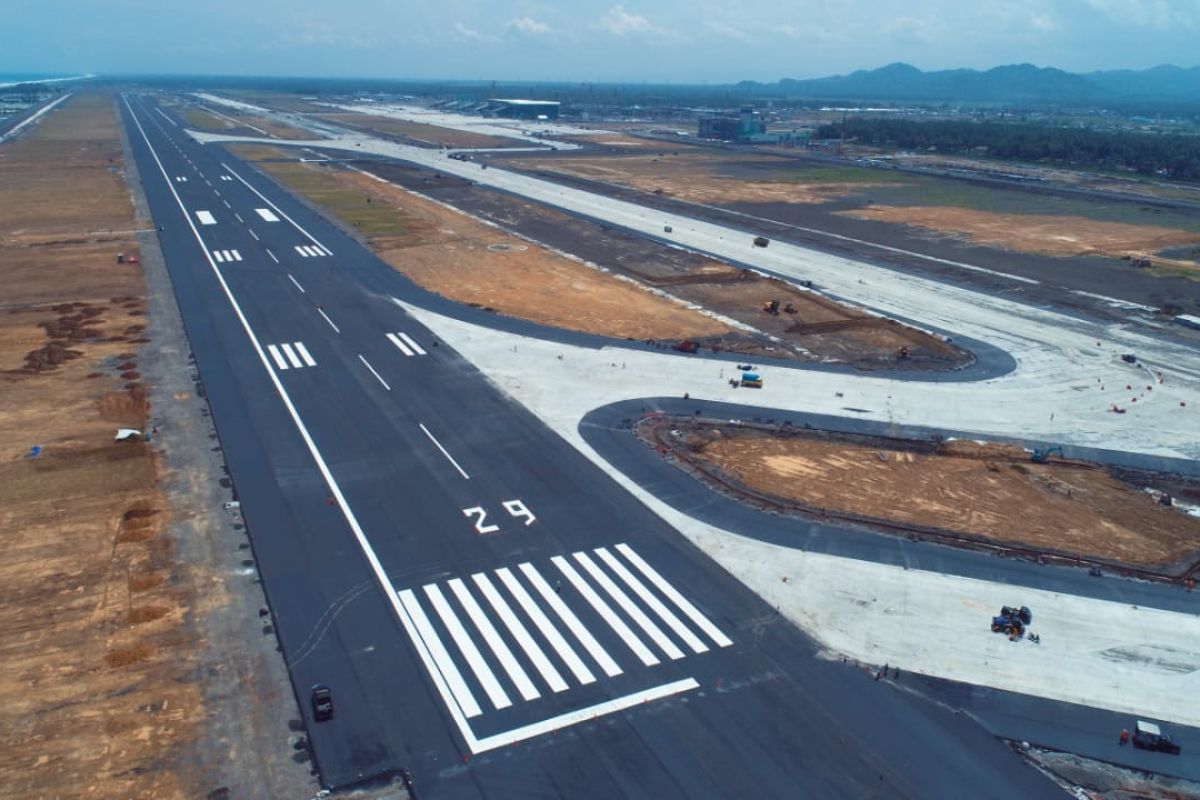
(699, 176)
(98, 655)
(453, 255)
(991, 492)
(1032, 233)
(420, 132)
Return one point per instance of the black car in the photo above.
(1148, 736)
(322, 702)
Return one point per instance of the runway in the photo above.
(494, 613)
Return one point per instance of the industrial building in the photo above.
(742, 127)
(521, 109)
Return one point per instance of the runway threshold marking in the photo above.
(490, 603)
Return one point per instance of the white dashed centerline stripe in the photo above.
(273, 258)
(656, 605)
(239, 218)
(252, 233)
(467, 647)
(276, 208)
(291, 354)
(449, 457)
(543, 624)
(681, 602)
(644, 622)
(598, 653)
(490, 635)
(206, 218)
(275, 354)
(321, 311)
(367, 364)
(304, 354)
(297, 283)
(604, 610)
(451, 677)
(535, 653)
(412, 344)
(403, 347)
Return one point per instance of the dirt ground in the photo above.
(207, 119)
(420, 132)
(989, 491)
(1030, 233)
(455, 256)
(96, 686)
(700, 176)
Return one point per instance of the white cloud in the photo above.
(727, 31)
(1159, 15)
(530, 26)
(470, 34)
(620, 22)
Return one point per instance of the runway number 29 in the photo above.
(515, 508)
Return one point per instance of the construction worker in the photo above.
(1124, 736)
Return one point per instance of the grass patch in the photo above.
(359, 210)
(843, 175)
(196, 118)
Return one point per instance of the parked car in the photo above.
(1148, 736)
(322, 702)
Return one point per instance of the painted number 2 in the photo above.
(515, 508)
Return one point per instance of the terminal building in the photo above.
(740, 127)
(521, 109)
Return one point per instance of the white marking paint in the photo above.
(584, 714)
(291, 354)
(238, 217)
(412, 344)
(276, 208)
(403, 347)
(236, 255)
(206, 218)
(252, 233)
(467, 647)
(605, 611)
(490, 635)
(543, 624)
(684, 605)
(449, 457)
(304, 354)
(451, 678)
(219, 256)
(527, 643)
(272, 255)
(598, 653)
(266, 214)
(300, 249)
(656, 605)
(297, 283)
(275, 354)
(321, 311)
(226, 202)
(367, 364)
(616, 593)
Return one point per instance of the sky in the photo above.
(677, 41)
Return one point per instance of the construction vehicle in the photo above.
(761, 241)
(790, 308)
(1148, 736)
(667, 229)
(1129, 358)
(686, 346)
(903, 352)
(751, 380)
(1041, 455)
(771, 307)
(1012, 621)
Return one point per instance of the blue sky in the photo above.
(635, 40)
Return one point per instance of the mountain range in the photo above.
(1012, 84)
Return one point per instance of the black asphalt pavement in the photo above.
(492, 612)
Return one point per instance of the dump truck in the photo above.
(751, 380)
(1148, 736)
(1012, 620)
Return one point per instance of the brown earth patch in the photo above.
(992, 492)
(451, 254)
(82, 664)
(1031, 233)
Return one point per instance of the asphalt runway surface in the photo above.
(493, 613)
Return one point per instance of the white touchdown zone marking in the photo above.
(403, 347)
(291, 355)
(275, 354)
(266, 214)
(304, 354)
(206, 218)
(413, 344)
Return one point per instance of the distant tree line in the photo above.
(1171, 155)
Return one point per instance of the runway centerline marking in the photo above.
(252, 233)
(297, 283)
(446, 453)
(321, 311)
(275, 208)
(367, 364)
(272, 255)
